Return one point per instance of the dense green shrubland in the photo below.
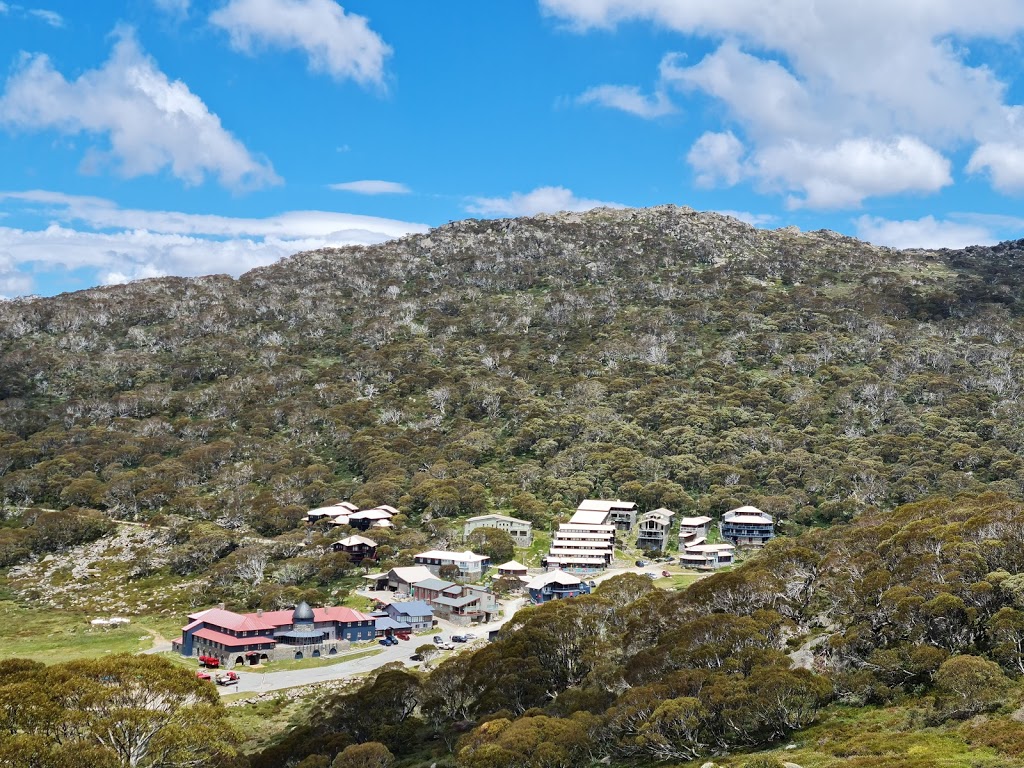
(675, 358)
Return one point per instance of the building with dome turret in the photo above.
(235, 639)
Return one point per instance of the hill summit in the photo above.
(677, 358)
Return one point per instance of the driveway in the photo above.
(258, 681)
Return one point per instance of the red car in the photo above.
(200, 675)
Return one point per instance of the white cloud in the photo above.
(833, 77)
(124, 244)
(717, 158)
(628, 98)
(52, 18)
(338, 43)
(372, 187)
(843, 175)
(4, 7)
(540, 200)
(926, 232)
(151, 122)
(1004, 163)
(12, 282)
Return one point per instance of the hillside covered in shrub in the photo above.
(672, 357)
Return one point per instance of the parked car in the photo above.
(458, 638)
(438, 639)
(200, 675)
(389, 641)
(651, 576)
(641, 563)
(665, 574)
(416, 657)
(446, 646)
(226, 678)
(592, 584)
(403, 635)
(469, 636)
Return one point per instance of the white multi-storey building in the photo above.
(585, 543)
(521, 531)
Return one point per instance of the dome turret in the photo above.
(303, 614)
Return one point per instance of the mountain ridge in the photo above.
(525, 363)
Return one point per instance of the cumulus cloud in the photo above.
(842, 78)
(841, 176)
(717, 158)
(1003, 161)
(337, 43)
(372, 187)
(627, 98)
(125, 244)
(150, 122)
(540, 200)
(926, 232)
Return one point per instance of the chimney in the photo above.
(259, 611)
(221, 606)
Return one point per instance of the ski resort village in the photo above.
(449, 590)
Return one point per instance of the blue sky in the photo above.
(153, 137)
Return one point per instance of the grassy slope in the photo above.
(49, 635)
(855, 737)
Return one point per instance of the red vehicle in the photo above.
(665, 574)
(403, 636)
(201, 675)
(211, 662)
(226, 678)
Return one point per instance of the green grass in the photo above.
(679, 580)
(261, 723)
(323, 661)
(538, 548)
(870, 737)
(358, 602)
(49, 635)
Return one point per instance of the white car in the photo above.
(469, 636)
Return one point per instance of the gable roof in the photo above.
(694, 522)
(553, 577)
(511, 565)
(498, 517)
(413, 608)
(248, 622)
(462, 557)
(328, 511)
(230, 640)
(411, 574)
(457, 602)
(435, 585)
(371, 514)
(353, 541)
(605, 505)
